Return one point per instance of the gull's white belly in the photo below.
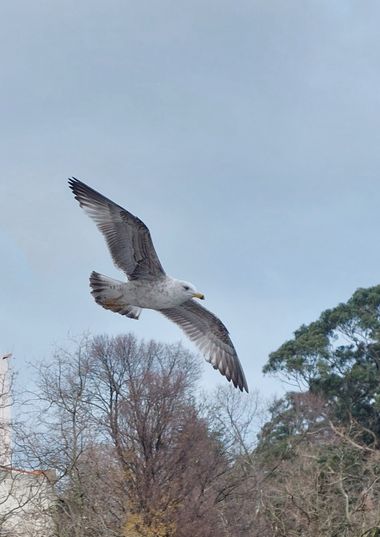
(156, 295)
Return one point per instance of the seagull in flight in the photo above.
(148, 286)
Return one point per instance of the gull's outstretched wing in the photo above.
(211, 337)
(128, 238)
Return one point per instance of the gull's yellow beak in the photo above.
(199, 295)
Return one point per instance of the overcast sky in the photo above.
(245, 134)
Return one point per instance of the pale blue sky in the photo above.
(245, 134)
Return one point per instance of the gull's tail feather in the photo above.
(108, 293)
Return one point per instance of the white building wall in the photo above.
(26, 501)
(5, 411)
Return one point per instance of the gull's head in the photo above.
(189, 291)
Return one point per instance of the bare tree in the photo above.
(235, 419)
(118, 421)
(25, 496)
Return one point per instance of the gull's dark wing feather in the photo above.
(127, 237)
(211, 337)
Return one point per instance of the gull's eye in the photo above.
(186, 287)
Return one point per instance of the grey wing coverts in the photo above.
(127, 237)
(211, 337)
